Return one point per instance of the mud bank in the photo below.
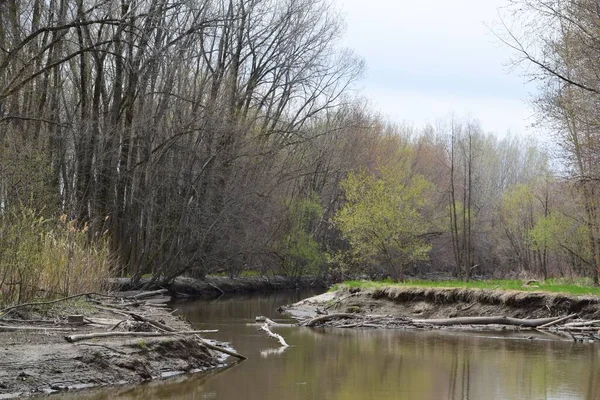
(406, 307)
(41, 351)
(215, 286)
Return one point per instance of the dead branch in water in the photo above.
(277, 336)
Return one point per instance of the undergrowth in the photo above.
(48, 257)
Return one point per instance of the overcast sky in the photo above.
(427, 59)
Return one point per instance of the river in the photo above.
(373, 364)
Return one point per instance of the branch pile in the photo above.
(144, 322)
(579, 330)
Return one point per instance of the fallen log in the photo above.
(329, 317)
(34, 328)
(580, 328)
(530, 323)
(582, 323)
(97, 335)
(277, 336)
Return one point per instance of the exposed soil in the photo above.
(400, 305)
(215, 286)
(39, 361)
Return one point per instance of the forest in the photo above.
(190, 137)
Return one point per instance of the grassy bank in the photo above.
(572, 287)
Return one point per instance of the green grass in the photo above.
(573, 287)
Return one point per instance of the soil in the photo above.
(41, 362)
(216, 286)
(430, 303)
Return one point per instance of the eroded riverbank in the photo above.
(398, 307)
(215, 286)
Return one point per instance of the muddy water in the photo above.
(365, 364)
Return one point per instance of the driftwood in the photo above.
(389, 321)
(530, 323)
(557, 321)
(324, 318)
(156, 324)
(582, 323)
(144, 295)
(220, 349)
(97, 335)
(33, 328)
(277, 336)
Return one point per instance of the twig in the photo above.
(115, 326)
(222, 350)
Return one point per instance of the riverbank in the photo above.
(400, 307)
(97, 340)
(215, 286)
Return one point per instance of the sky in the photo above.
(430, 59)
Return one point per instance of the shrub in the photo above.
(42, 257)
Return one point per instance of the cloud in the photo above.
(498, 115)
(429, 58)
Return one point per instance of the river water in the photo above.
(373, 364)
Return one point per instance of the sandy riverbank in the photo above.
(37, 359)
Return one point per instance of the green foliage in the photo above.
(563, 236)
(298, 251)
(382, 218)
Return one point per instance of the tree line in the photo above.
(224, 136)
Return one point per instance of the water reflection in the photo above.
(365, 364)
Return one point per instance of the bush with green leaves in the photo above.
(298, 251)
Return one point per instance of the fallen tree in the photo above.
(529, 323)
(386, 321)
